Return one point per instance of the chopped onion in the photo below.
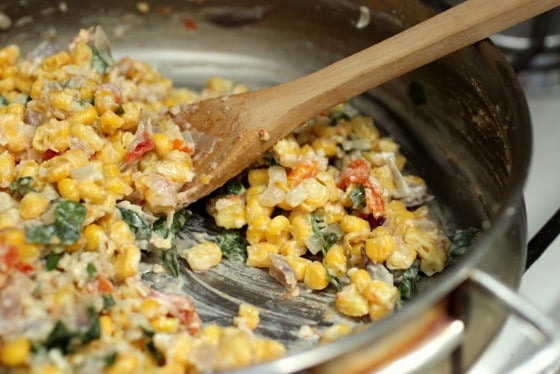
(314, 244)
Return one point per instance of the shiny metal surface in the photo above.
(471, 141)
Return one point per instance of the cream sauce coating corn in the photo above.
(91, 162)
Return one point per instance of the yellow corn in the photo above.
(163, 145)
(7, 169)
(256, 230)
(86, 116)
(49, 369)
(360, 278)
(292, 248)
(381, 297)
(61, 99)
(120, 234)
(278, 230)
(91, 192)
(164, 324)
(125, 363)
(54, 62)
(27, 168)
(52, 135)
(68, 188)
(363, 127)
(298, 265)
(381, 245)
(350, 302)
(432, 256)
(258, 254)
(15, 353)
(126, 262)
(203, 256)
(81, 54)
(316, 277)
(317, 195)
(325, 147)
(253, 207)
(109, 122)
(106, 326)
(350, 223)
(301, 227)
(335, 260)
(9, 55)
(335, 332)
(258, 177)
(32, 205)
(219, 84)
(211, 333)
(95, 237)
(247, 316)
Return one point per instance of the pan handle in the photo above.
(547, 357)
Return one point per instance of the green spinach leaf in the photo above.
(170, 260)
(232, 244)
(22, 186)
(358, 197)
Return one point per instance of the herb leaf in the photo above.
(98, 62)
(109, 359)
(91, 269)
(52, 260)
(22, 186)
(170, 260)
(358, 197)
(461, 241)
(93, 331)
(108, 301)
(137, 224)
(179, 219)
(320, 232)
(3, 101)
(232, 245)
(67, 225)
(234, 187)
(407, 283)
(59, 337)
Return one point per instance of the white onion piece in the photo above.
(296, 196)
(272, 196)
(314, 244)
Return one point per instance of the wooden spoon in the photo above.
(241, 127)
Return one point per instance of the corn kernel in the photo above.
(247, 316)
(109, 122)
(106, 326)
(257, 228)
(163, 145)
(49, 369)
(126, 262)
(278, 230)
(316, 277)
(350, 302)
(91, 192)
(126, 363)
(335, 260)
(380, 246)
(15, 353)
(360, 278)
(7, 169)
(86, 116)
(54, 62)
(68, 188)
(353, 224)
(258, 254)
(301, 227)
(164, 324)
(292, 248)
(95, 237)
(258, 177)
(298, 265)
(32, 205)
(121, 234)
(203, 256)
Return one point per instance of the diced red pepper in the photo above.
(178, 144)
(49, 153)
(301, 171)
(104, 284)
(144, 146)
(356, 172)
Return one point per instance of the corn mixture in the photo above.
(91, 162)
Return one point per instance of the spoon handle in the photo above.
(446, 32)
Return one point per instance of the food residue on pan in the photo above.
(91, 163)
